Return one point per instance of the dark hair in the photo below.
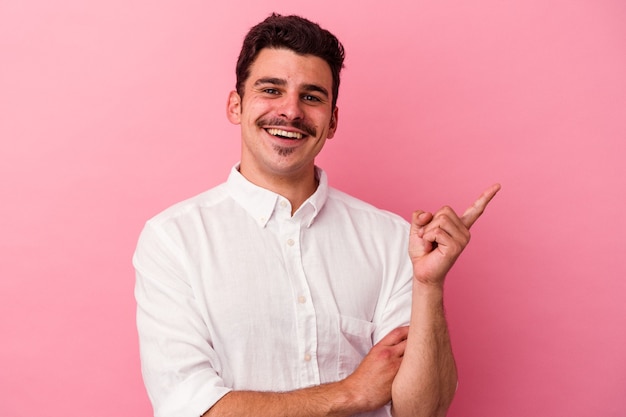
(297, 34)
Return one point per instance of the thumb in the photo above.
(417, 245)
(420, 219)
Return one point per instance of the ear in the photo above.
(332, 127)
(233, 108)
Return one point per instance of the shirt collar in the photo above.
(261, 203)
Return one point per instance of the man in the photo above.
(276, 295)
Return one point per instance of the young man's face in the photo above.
(285, 114)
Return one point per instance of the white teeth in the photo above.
(284, 133)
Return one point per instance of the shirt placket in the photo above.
(306, 325)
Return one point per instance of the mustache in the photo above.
(296, 124)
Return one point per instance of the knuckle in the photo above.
(446, 210)
(385, 354)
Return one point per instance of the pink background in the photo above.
(112, 110)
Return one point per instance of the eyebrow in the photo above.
(316, 88)
(270, 80)
(281, 82)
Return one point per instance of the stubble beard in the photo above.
(283, 151)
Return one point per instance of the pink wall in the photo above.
(112, 110)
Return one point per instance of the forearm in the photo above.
(426, 381)
(334, 399)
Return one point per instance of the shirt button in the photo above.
(307, 357)
(302, 299)
(283, 204)
(290, 242)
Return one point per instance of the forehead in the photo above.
(294, 68)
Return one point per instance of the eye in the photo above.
(271, 91)
(309, 97)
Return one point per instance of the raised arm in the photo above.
(427, 378)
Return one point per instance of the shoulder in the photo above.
(343, 202)
(177, 227)
(192, 206)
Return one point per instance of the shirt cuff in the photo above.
(193, 397)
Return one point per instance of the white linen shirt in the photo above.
(235, 293)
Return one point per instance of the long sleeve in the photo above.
(179, 366)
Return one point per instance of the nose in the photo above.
(291, 107)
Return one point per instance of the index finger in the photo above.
(475, 210)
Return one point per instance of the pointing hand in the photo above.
(437, 240)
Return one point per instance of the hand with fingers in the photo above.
(371, 382)
(436, 240)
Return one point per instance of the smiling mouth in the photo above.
(284, 134)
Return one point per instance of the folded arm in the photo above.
(367, 388)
